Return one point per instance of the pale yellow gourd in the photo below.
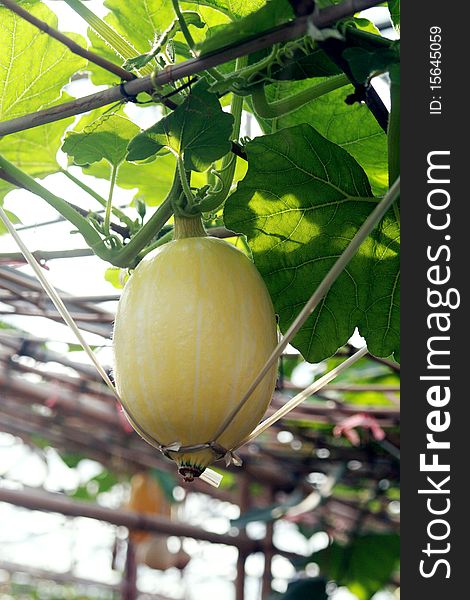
(194, 326)
(146, 497)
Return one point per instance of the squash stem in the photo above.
(186, 227)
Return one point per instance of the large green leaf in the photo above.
(33, 66)
(198, 130)
(5, 187)
(190, 17)
(365, 63)
(350, 126)
(141, 23)
(33, 150)
(273, 13)
(302, 66)
(99, 137)
(235, 9)
(300, 204)
(365, 565)
(128, 24)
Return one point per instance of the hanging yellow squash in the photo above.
(146, 497)
(194, 326)
(155, 554)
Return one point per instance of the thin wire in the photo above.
(211, 477)
(56, 300)
(375, 216)
(315, 387)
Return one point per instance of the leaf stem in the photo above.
(116, 211)
(109, 203)
(249, 70)
(273, 110)
(184, 182)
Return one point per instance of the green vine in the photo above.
(89, 233)
(110, 248)
(273, 110)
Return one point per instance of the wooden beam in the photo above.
(283, 33)
(48, 502)
(268, 549)
(65, 578)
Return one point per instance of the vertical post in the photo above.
(240, 580)
(244, 503)
(129, 582)
(268, 553)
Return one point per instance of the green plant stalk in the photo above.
(183, 26)
(393, 135)
(184, 182)
(229, 162)
(260, 65)
(109, 203)
(244, 74)
(116, 212)
(273, 110)
(122, 258)
(90, 235)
